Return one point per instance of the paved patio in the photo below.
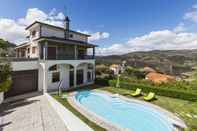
(32, 114)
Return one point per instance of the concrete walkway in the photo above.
(31, 114)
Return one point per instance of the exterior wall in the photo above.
(64, 69)
(30, 65)
(78, 37)
(24, 65)
(52, 32)
(36, 54)
(37, 35)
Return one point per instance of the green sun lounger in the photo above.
(150, 96)
(137, 92)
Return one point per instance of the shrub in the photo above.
(5, 68)
(177, 85)
(5, 86)
(134, 72)
(102, 81)
(185, 95)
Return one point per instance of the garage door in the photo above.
(23, 82)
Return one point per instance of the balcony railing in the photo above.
(18, 59)
(80, 57)
(85, 57)
(63, 57)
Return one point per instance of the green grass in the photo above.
(65, 103)
(186, 110)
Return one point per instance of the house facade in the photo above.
(52, 57)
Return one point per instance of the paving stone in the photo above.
(32, 114)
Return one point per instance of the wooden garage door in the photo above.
(23, 82)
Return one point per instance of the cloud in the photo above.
(10, 30)
(191, 15)
(96, 36)
(156, 40)
(175, 39)
(14, 30)
(180, 28)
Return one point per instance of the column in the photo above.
(45, 78)
(75, 76)
(40, 51)
(45, 50)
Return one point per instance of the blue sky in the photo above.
(124, 21)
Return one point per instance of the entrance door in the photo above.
(79, 77)
(71, 78)
(89, 76)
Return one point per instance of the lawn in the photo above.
(186, 110)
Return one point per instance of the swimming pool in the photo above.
(130, 115)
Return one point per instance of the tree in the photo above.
(5, 68)
(135, 72)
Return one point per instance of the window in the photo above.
(53, 68)
(33, 33)
(28, 50)
(33, 50)
(71, 35)
(55, 77)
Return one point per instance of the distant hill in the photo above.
(11, 46)
(172, 62)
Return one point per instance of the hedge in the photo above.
(102, 81)
(185, 95)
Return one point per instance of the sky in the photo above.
(116, 26)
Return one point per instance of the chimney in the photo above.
(67, 26)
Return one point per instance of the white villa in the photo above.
(52, 56)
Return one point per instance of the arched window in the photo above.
(53, 68)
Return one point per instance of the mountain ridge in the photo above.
(163, 60)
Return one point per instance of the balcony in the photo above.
(18, 59)
(66, 57)
(66, 52)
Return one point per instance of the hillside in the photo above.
(170, 61)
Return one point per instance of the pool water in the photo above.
(129, 115)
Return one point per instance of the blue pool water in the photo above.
(134, 116)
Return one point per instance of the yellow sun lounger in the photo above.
(137, 92)
(150, 96)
